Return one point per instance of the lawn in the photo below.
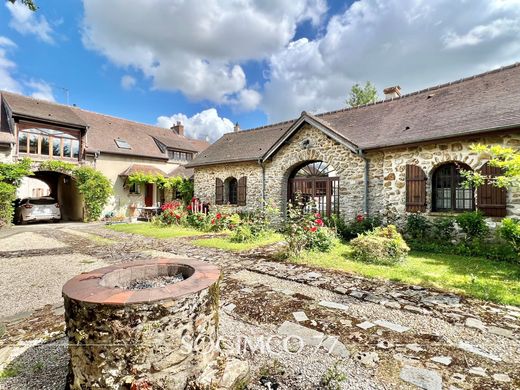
(476, 277)
(225, 244)
(149, 230)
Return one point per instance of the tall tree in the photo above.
(362, 95)
(28, 3)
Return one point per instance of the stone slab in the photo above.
(365, 325)
(308, 336)
(477, 351)
(446, 360)
(300, 316)
(422, 378)
(390, 325)
(335, 347)
(333, 305)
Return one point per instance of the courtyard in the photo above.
(375, 333)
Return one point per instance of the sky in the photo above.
(253, 62)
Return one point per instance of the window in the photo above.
(122, 144)
(135, 188)
(33, 144)
(182, 156)
(231, 185)
(49, 142)
(448, 193)
(22, 143)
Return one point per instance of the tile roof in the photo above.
(142, 168)
(103, 130)
(481, 103)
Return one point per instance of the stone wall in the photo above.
(205, 183)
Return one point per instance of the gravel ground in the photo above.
(32, 282)
(28, 241)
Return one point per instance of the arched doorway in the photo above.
(318, 184)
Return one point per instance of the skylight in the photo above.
(122, 144)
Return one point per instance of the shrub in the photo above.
(198, 221)
(443, 229)
(173, 213)
(95, 188)
(383, 245)
(473, 225)
(7, 197)
(417, 226)
(510, 231)
(242, 234)
(349, 230)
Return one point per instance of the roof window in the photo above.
(122, 144)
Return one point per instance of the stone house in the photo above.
(117, 147)
(402, 154)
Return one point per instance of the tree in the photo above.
(28, 3)
(508, 159)
(362, 95)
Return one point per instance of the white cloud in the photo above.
(413, 43)
(7, 80)
(40, 90)
(27, 22)
(206, 125)
(196, 49)
(128, 82)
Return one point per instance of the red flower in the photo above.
(360, 218)
(219, 216)
(188, 207)
(213, 221)
(313, 229)
(177, 216)
(319, 222)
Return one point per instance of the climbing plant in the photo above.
(175, 183)
(10, 178)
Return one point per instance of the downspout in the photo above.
(365, 206)
(263, 181)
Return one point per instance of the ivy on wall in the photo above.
(176, 183)
(11, 176)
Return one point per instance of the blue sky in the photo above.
(254, 62)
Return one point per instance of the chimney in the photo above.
(392, 92)
(178, 128)
(236, 129)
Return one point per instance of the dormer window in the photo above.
(179, 156)
(122, 144)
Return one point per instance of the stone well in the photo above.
(156, 337)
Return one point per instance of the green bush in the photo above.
(7, 197)
(417, 226)
(383, 245)
(242, 233)
(349, 230)
(473, 224)
(443, 229)
(95, 188)
(510, 231)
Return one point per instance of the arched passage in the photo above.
(318, 185)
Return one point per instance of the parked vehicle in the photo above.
(37, 209)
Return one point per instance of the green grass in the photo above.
(149, 230)
(225, 244)
(476, 277)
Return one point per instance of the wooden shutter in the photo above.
(415, 189)
(219, 191)
(491, 200)
(242, 191)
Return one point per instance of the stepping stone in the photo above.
(341, 290)
(346, 323)
(414, 309)
(333, 305)
(357, 294)
(300, 316)
(229, 308)
(415, 347)
(421, 377)
(365, 325)
(501, 331)
(312, 275)
(479, 371)
(477, 351)
(446, 360)
(392, 305)
(475, 324)
(335, 347)
(442, 300)
(390, 325)
(502, 378)
(308, 336)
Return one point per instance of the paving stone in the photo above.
(414, 309)
(392, 305)
(229, 308)
(308, 336)
(447, 300)
(415, 347)
(372, 298)
(368, 359)
(341, 290)
(502, 378)
(357, 294)
(420, 377)
(312, 275)
(477, 351)
(333, 305)
(346, 323)
(335, 347)
(501, 331)
(235, 372)
(365, 325)
(479, 371)
(475, 324)
(390, 325)
(446, 360)
(300, 316)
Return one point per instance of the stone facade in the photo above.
(386, 172)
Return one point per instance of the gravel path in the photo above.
(28, 241)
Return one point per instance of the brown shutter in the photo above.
(242, 191)
(219, 191)
(415, 189)
(491, 200)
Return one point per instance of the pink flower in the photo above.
(360, 218)
(317, 215)
(319, 222)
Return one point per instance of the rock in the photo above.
(392, 305)
(269, 383)
(368, 359)
(346, 323)
(333, 305)
(385, 344)
(357, 294)
(390, 325)
(413, 309)
(335, 347)
(300, 316)
(477, 351)
(447, 300)
(365, 325)
(235, 372)
(414, 347)
(502, 378)
(307, 335)
(420, 377)
(229, 308)
(341, 290)
(446, 360)
(479, 371)
(501, 331)
(312, 275)
(372, 298)
(475, 324)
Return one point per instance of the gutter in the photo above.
(365, 205)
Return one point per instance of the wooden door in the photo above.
(148, 195)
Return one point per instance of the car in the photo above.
(37, 209)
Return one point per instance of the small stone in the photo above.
(502, 378)
(335, 347)
(392, 305)
(312, 275)
(368, 359)
(300, 316)
(333, 305)
(501, 331)
(372, 298)
(346, 323)
(308, 336)
(341, 290)
(357, 294)
(390, 325)
(425, 379)
(235, 372)
(413, 309)
(385, 344)
(229, 308)
(365, 325)
(446, 360)
(414, 347)
(475, 324)
(477, 351)
(479, 371)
